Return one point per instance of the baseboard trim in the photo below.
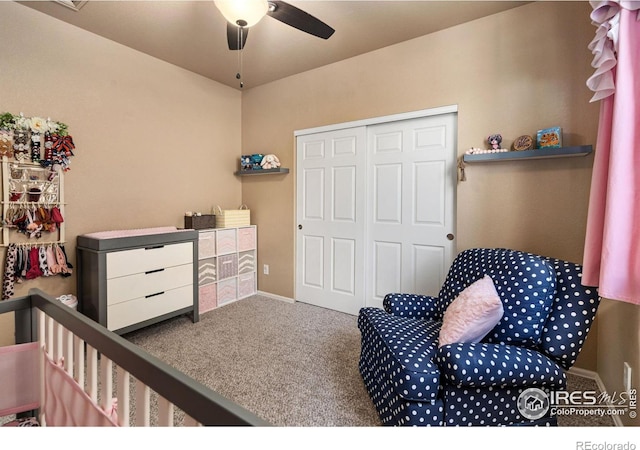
(594, 376)
(276, 297)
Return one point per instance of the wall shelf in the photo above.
(540, 153)
(279, 170)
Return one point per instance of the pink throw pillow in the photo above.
(474, 312)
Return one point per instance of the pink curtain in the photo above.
(612, 245)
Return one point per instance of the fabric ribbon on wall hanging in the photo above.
(28, 262)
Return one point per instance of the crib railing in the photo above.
(91, 355)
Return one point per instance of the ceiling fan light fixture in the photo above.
(243, 13)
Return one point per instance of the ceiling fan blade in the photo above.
(297, 18)
(236, 37)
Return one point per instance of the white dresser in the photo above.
(134, 278)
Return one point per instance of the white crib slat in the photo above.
(68, 351)
(58, 341)
(106, 380)
(92, 373)
(49, 336)
(143, 405)
(165, 412)
(42, 345)
(123, 396)
(79, 366)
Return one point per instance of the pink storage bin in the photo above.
(207, 271)
(227, 291)
(207, 298)
(207, 245)
(226, 241)
(246, 285)
(246, 238)
(227, 266)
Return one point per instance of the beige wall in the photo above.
(512, 73)
(152, 140)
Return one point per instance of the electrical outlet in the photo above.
(265, 269)
(626, 377)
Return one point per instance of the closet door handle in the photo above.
(153, 295)
(154, 271)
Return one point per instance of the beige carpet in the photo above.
(290, 364)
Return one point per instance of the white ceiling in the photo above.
(192, 34)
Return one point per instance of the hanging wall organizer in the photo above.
(35, 155)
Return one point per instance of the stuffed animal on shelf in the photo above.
(270, 162)
(494, 141)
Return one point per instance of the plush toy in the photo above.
(270, 162)
(494, 141)
(245, 162)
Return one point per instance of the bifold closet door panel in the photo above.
(140, 260)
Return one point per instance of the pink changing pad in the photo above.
(128, 233)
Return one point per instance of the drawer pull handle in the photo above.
(226, 262)
(154, 271)
(154, 247)
(153, 295)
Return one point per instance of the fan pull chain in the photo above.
(240, 36)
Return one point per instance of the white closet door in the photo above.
(330, 211)
(411, 198)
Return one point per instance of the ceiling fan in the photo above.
(242, 14)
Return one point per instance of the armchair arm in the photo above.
(411, 305)
(482, 365)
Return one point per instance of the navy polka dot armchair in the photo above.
(413, 381)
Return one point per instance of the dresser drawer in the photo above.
(141, 284)
(140, 260)
(140, 309)
(207, 244)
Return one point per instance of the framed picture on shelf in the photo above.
(549, 138)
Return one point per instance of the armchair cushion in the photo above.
(472, 314)
(497, 365)
(525, 283)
